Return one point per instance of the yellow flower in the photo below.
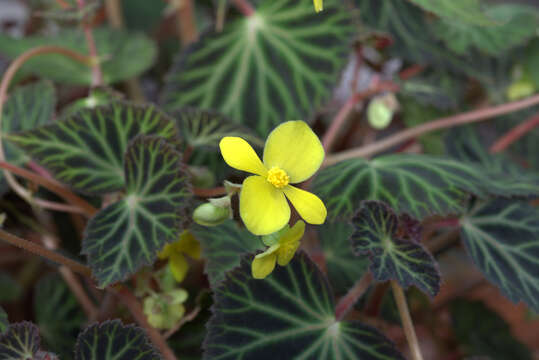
(281, 252)
(318, 5)
(292, 154)
(186, 244)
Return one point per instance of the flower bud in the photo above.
(209, 214)
(380, 111)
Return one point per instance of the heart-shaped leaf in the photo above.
(223, 246)
(58, 315)
(288, 315)
(123, 55)
(111, 340)
(343, 267)
(128, 234)
(4, 323)
(392, 258)
(278, 64)
(86, 150)
(420, 185)
(502, 239)
(20, 342)
(26, 108)
(207, 128)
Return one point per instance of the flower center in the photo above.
(278, 177)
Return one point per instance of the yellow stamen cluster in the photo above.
(278, 177)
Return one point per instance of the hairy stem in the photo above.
(53, 186)
(46, 253)
(244, 6)
(347, 302)
(514, 134)
(4, 85)
(132, 303)
(97, 74)
(443, 123)
(406, 319)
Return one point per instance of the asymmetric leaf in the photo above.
(126, 235)
(501, 237)
(276, 65)
(111, 340)
(19, 342)
(86, 150)
(392, 258)
(288, 315)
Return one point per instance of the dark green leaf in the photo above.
(111, 340)
(288, 315)
(344, 268)
(10, 289)
(223, 246)
(20, 342)
(207, 128)
(531, 59)
(124, 55)
(279, 64)
(128, 234)
(515, 24)
(26, 108)
(482, 332)
(501, 238)
(3, 320)
(86, 150)
(392, 258)
(58, 315)
(420, 185)
(438, 88)
(466, 11)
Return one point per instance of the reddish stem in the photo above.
(97, 75)
(218, 191)
(411, 71)
(514, 134)
(244, 7)
(347, 302)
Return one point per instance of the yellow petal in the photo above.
(240, 155)
(286, 252)
(263, 207)
(318, 5)
(308, 205)
(178, 266)
(295, 148)
(263, 266)
(188, 244)
(165, 253)
(294, 234)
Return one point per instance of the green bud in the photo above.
(209, 214)
(201, 176)
(379, 113)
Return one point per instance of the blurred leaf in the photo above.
(123, 55)
(501, 238)
(438, 88)
(420, 185)
(86, 150)
(126, 235)
(392, 257)
(207, 128)
(143, 15)
(223, 246)
(111, 340)
(20, 342)
(516, 24)
(58, 315)
(277, 65)
(531, 59)
(26, 108)
(344, 268)
(482, 332)
(466, 11)
(10, 290)
(4, 323)
(288, 315)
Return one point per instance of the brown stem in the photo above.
(46, 253)
(129, 300)
(186, 22)
(339, 120)
(347, 302)
(74, 285)
(4, 85)
(53, 186)
(244, 7)
(406, 319)
(446, 122)
(218, 191)
(514, 134)
(97, 74)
